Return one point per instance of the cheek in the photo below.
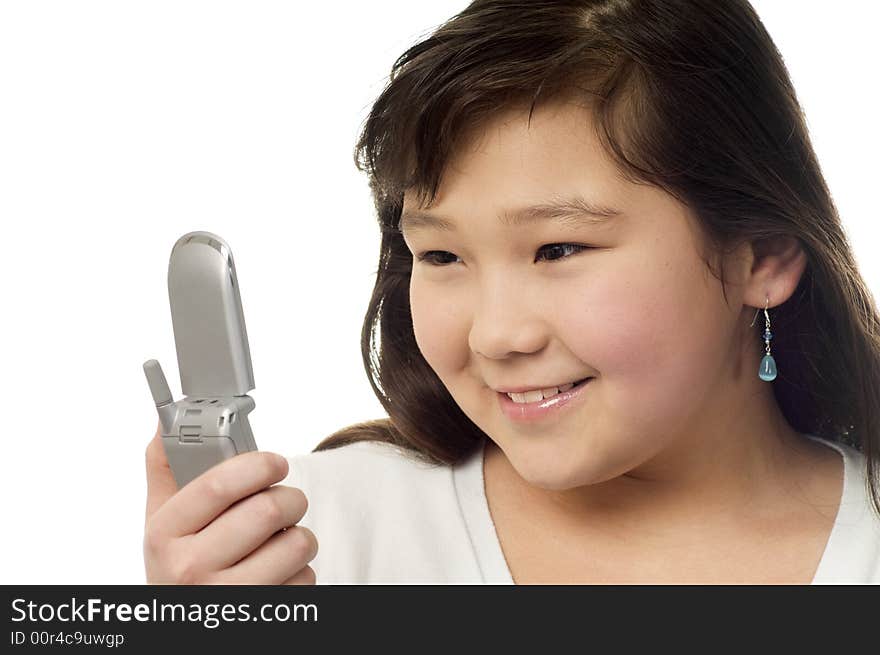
(653, 330)
(438, 328)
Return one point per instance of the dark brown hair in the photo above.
(691, 96)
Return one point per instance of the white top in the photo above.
(382, 517)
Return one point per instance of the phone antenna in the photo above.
(158, 383)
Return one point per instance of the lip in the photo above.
(528, 412)
(533, 387)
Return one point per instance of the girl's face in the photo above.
(499, 305)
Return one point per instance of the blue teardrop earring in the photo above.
(767, 369)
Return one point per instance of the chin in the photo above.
(552, 475)
(563, 480)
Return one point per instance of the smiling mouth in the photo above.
(537, 395)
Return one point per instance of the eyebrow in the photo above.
(573, 212)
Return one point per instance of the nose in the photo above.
(506, 319)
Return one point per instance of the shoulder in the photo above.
(853, 548)
(382, 515)
(852, 491)
(369, 479)
(363, 462)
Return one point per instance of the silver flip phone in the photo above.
(210, 424)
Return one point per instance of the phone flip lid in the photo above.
(213, 354)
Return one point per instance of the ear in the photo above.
(776, 269)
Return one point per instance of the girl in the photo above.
(617, 326)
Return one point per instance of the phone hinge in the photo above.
(191, 433)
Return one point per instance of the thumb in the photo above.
(160, 480)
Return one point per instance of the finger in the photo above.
(304, 577)
(208, 495)
(247, 524)
(160, 480)
(281, 557)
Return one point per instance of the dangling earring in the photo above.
(767, 369)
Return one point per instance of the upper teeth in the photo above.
(539, 394)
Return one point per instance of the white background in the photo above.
(124, 125)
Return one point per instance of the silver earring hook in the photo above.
(757, 311)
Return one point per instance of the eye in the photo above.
(430, 256)
(561, 247)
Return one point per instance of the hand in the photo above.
(226, 526)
